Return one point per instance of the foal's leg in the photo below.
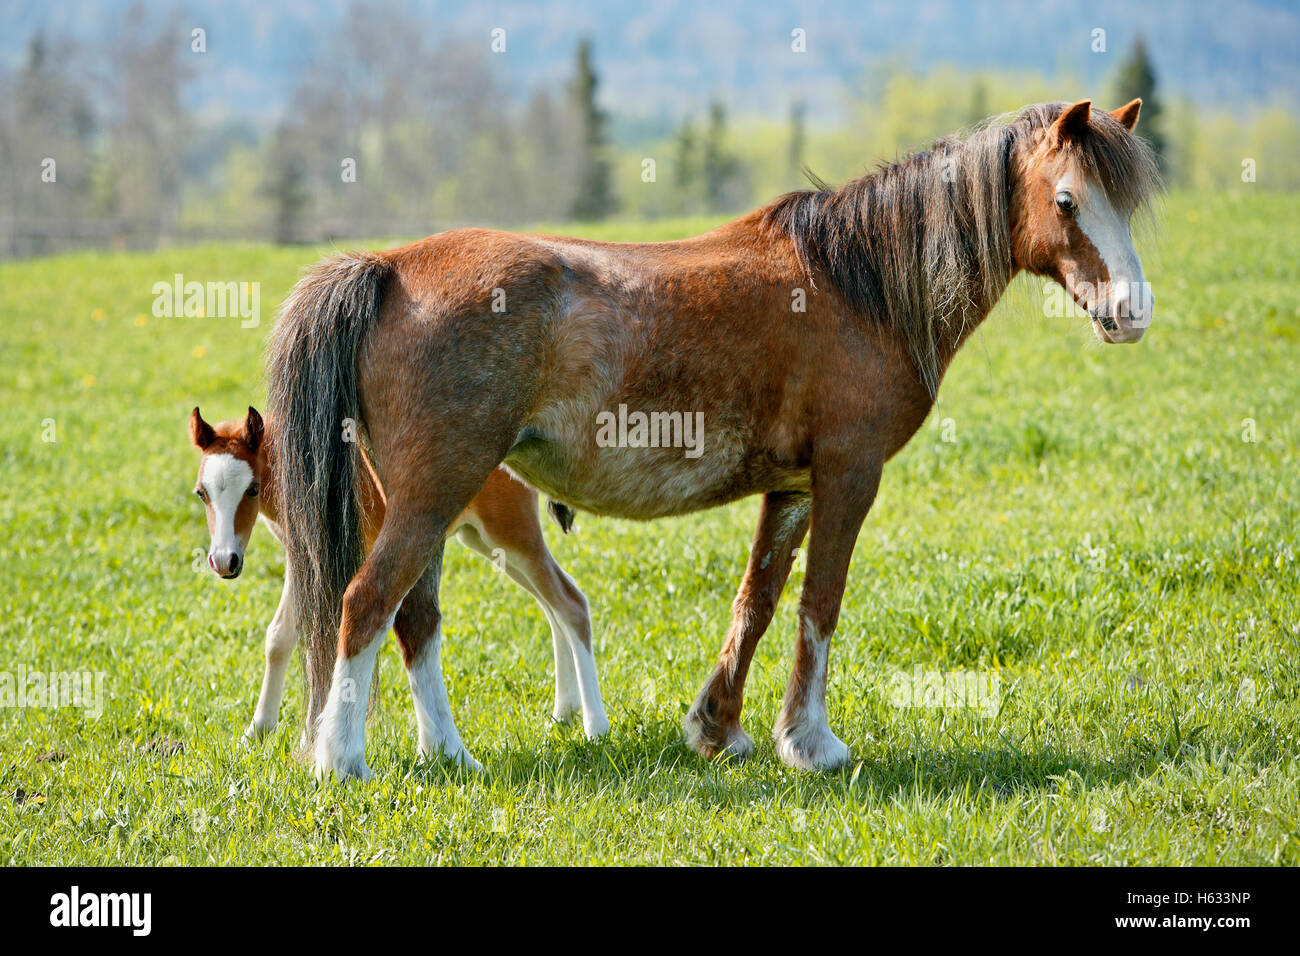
(529, 564)
(419, 631)
(281, 636)
(538, 573)
(568, 701)
(713, 723)
(841, 500)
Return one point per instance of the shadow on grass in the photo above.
(652, 754)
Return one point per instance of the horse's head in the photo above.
(1078, 183)
(229, 482)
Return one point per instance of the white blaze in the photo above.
(225, 478)
(1127, 293)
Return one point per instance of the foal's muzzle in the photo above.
(227, 564)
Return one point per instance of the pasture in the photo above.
(1110, 531)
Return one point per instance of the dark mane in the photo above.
(923, 245)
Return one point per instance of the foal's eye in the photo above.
(203, 495)
(1065, 203)
(252, 491)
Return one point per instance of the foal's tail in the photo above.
(315, 411)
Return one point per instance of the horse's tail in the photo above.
(315, 410)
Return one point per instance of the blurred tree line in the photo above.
(391, 134)
(895, 110)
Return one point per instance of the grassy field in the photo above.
(1110, 531)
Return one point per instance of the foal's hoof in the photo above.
(565, 711)
(256, 732)
(712, 741)
(468, 762)
(810, 746)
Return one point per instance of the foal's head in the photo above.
(1079, 180)
(229, 482)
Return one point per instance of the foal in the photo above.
(236, 483)
(810, 335)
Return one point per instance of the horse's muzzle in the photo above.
(1123, 317)
(1118, 331)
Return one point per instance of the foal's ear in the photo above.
(253, 430)
(201, 433)
(1127, 114)
(1071, 124)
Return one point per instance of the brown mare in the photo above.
(475, 347)
(237, 484)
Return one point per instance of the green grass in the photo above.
(1099, 534)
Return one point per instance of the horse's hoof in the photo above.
(810, 746)
(732, 742)
(353, 768)
(739, 745)
(359, 772)
(461, 758)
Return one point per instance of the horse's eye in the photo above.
(203, 495)
(253, 489)
(1065, 203)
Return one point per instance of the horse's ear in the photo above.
(1071, 124)
(253, 429)
(1127, 114)
(201, 433)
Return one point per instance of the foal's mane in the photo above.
(922, 246)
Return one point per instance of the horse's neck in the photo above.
(958, 300)
(985, 291)
(958, 330)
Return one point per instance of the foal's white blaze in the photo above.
(225, 478)
(1127, 298)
